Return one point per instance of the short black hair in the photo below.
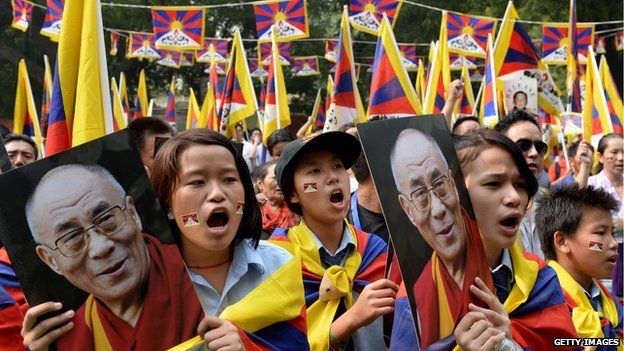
(254, 129)
(514, 117)
(574, 148)
(360, 167)
(278, 136)
(21, 137)
(463, 119)
(142, 127)
(562, 210)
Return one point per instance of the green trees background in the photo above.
(414, 24)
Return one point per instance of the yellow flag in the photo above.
(192, 114)
(118, 112)
(25, 118)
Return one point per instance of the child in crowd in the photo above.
(576, 230)
(343, 268)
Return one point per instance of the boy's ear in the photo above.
(560, 242)
(294, 198)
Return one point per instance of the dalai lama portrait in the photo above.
(87, 229)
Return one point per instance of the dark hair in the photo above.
(463, 119)
(563, 209)
(21, 137)
(514, 117)
(253, 130)
(471, 145)
(261, 172)
(574, 148)
(142, 127)
(519, 92)
(603, 144)
(278, 136)
(165, 178)
(360, 167)
(346, 127)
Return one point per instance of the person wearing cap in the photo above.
(343, 267)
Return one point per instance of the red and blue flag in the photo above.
(170, 113)
(178, 28)
(142, 46)
(408, 56)
(331, 50)
(220, 50)
(257, 71)
(22, 13)
(114, 43)
(555, 40)
(467, 34)
(304, 66)
(366, 15)
(264, 53)
(52, 22)
(289, 17)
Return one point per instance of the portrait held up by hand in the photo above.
(431, 223)
(94, 253)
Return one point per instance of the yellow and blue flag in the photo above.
(170, 113)
(488, 112)
(434, 95)
(141, 100)
(276, 111)
(596, 118)
(465, 105)
(25, 120)
(192, 114)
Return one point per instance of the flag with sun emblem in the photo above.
(142, 46)
(467, 34)
(555, 42)
(257, 71)
(408, 56)
(366, 15)
(169, 59)
(304, 66)
(178, 28)
(52, 23)
(457, 62)
(331, 50)
(264, 53)
(22, 12)
(220, 50)
(290, 18)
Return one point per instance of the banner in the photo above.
(52, 23)
(331, 50)
(264, 53)
(290, 18)
(467, 34)
(366, 15)
(22, 13)
(178, 28)
(220, 50)
(555, 42)
(304, 66)
(142, 46)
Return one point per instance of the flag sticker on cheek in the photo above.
(595, 246)
(240, 208)
(310, 187)
(190, 220)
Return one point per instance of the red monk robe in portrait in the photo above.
(171, 311)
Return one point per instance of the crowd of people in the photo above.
(301, 217)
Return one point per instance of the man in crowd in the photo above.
(143, 132)
(21, 149)
(88, 230)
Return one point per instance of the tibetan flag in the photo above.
(178, 28)
(187, 59)
(476, 75)
(218, 93)
(170, 112)
(434, 95)
(220, 50)
(119, 121)
(515, 57)
(221, 68)
(331, 50)
(25, 120)
(555, 40)
(366, 15)
(420, 85)
(466, 103)
(276, 111)
(82, 74)
(52, 23)
(329, 94)
(391, 93)
(458, 62)
(238, 97)
(22, 13)
(619, 41)
(315, 115)
(467, 34)
(572, 123)
(596, 118)
(408, 56)
(257, 71)
(208, 113)
(142, 46)
(141, 101)
(444, 52)
(346, 104)
(114, 43)
(123, 92)
(304, 66)
(289, 17)
(614, 101)
(192, 114)
(150, 108)
(169, 59)
(46, 95)
(488, 111)
(601, 48)
(265, 52)
(575, 71)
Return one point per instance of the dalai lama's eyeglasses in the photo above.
(107, 223)
(421, 197)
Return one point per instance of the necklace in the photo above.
(228, 260)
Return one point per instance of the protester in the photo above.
(465, 124)
(250, 290)
(22, 149)
(143, 132)
(580, 156)
(453, 92)
(88, 230)
(346, 264)
(308, 125)
(611, 158)
(575, 226)
(277, 141)
(258, 154)
(528, 305)
(429, 198)
(522, 128)
(275, 212)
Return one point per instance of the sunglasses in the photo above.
(526, 144)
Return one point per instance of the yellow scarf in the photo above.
(280, 297)
(92, 319)
(586, 319)
(525, 275)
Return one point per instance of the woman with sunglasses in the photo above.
(522, 128)
(251, 291)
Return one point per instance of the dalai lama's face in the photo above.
(427, 193)
(110, 259)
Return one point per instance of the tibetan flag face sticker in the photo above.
(190, 220)
(595, 246)
(240, 208)
(310, 187)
